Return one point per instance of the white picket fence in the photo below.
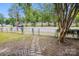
(28, 30)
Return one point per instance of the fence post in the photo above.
(22, 28)
(33, 31)
(38, 31)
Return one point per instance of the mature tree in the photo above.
(66, 13)
(41, 7)
(47, 13)
(14, 13)
(26, 7)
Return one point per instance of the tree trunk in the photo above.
(48, 24)
(41, 24)
(54, 24)
(66, 14)
(26, 24)
(62, 35)
(34, 24)
(17, 24)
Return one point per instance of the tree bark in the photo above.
(62, 35)
(65, 18)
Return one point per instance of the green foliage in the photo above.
(45, 13)
(10, 21)
(77, 18)
(26, 7)
(1, 18)
(5, 37)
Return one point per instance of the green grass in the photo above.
(6, 37)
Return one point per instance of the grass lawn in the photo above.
(14, 44)
(5, 36)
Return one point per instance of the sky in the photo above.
(4, 7)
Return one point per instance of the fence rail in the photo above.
(31, 30)
(34, 30)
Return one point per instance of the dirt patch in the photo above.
(50, 46)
